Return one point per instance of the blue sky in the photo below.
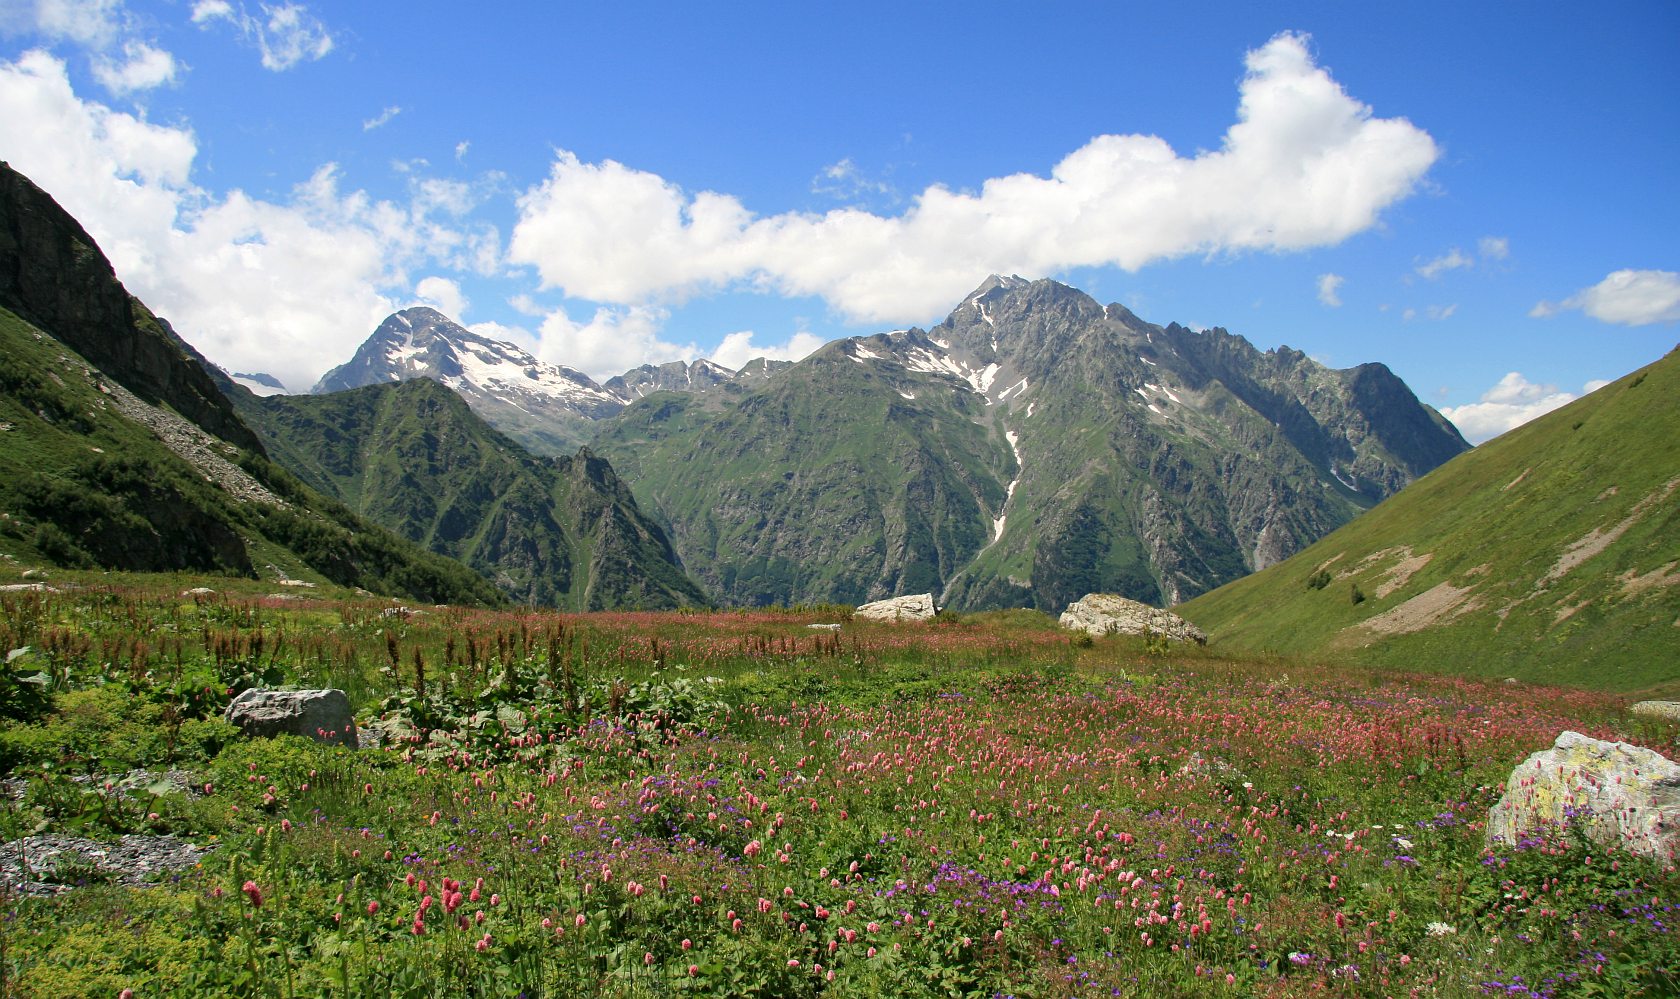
(1479, 195)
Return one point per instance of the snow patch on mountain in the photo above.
(1014, 440)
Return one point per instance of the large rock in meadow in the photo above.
(1615, 795)
(912, 608)
(322, 715)
(1669, 710)
(1107, 614)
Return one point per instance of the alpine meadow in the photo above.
(654, 500)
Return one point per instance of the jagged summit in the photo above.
(547, 407)
(1032, 447)
(672, 376)
(421, 342)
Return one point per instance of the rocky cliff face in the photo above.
(53, 276)
(1033, 447)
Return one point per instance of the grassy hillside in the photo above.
(411, 456)
(83, 484)
(1549, 554)
(831, 483)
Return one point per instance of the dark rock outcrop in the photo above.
(54, 276)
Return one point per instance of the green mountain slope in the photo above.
(91, 475)
(1550, 554)
(825, 484)
(120, 453)
(1033, 447)
(413, 457)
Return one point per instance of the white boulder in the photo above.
(1657, 709)
(1615, 795)
(1107, 614)
(911, 608)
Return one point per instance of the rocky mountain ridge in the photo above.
(1033, 447)
(550, 409)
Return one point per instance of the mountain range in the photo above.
(121, 448)
(413, 457)
(1033, 447)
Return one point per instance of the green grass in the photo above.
(1496, 521)
(730, 804)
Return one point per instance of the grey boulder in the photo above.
(322, 715)
(918, 607)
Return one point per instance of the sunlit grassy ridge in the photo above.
(1548, 554)
(737, 804)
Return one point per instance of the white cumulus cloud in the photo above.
(141, 67)
(1304, 165)
(1625, 297)
(121, 59)
(611, 342)
(1329, 289)
(288, 288)
(93, 23)
(738, 348)
(443, 295)
(1493, 247)
(1512, 402)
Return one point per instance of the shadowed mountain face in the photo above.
(1033, 447)
(1547, 554)
(413, 457)
(55, 278)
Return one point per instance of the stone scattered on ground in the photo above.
(919, 607)
(1107, 614)
(823, 627)
(1212, 766)
(1657, 709)
(198, 591)
(28, 588)
(53, 863)
(322, 715)
(1617, 795)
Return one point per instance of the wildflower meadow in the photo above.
(738, 804)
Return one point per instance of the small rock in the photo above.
(322, 715)
(824, 627)
(198, 591)
(919, 607)
(1107, 614)
(28, 588)
(1616, 795)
